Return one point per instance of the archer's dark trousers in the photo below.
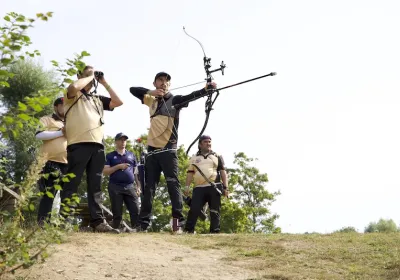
(167, 162)
(89, 157)
(54, 170)
(201, 195)
(123, 194)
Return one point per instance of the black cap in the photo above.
(204, 137)
(59, 100)
(162, 74)
(120, 135)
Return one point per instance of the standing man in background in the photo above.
(54, 149)
(207, 168)
(120, 165)
(84, 122)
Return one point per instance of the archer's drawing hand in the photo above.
(157, 92)
(211, 85)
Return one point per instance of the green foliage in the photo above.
(249, 187)
(14, 39)
(27, 92)
(73, 67)
(30, 80)
(22, 243)
(234, 218)
(29, 77)
(346, 230)
(382, 225)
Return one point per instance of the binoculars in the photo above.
(98, 74)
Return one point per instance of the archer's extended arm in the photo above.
(179, 99)
(183, 100)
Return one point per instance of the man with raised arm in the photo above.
(84, 125)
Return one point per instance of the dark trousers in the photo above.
(123, 194)
(54, 170)
(167, 162)
(201, 195)
(89, 157)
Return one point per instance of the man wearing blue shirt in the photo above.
(120, 165)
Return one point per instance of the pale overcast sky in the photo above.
(325, 129)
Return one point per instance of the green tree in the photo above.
(249, 187)
(28, 80)
(234, 218)
(382, 226)
(29, 77)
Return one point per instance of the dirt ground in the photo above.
(132, 256)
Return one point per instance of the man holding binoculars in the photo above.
(84, 127)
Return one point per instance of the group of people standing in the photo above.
(73, 142)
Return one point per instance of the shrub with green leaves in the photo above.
(23, 243)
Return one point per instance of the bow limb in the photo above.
(209, 78)
(202, 130)
(209, 107)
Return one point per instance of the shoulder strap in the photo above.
(159, 105)
(202, 174)
(65, 115)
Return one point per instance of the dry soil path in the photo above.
(133, 256)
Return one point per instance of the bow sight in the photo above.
(207, 66)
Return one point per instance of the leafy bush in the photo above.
(382, 225)
(23, 243)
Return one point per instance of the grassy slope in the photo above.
(313, 256)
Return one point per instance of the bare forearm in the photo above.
(189, 178)
(78, 85)
(115, 100)
(224, 178)
(137, 181)
(107, 170)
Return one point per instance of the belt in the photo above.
(160, 151)
(208, 185)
